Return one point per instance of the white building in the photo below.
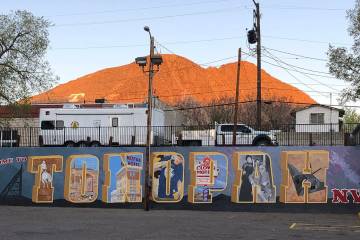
(318, 118)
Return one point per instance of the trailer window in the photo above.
(115, 122)
(59, 125)
(47, 125)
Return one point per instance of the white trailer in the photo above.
(120, 125)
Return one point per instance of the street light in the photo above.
(141, 61)
(156, 60)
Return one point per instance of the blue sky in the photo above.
(90, 35)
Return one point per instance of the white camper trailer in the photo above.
(120, 125)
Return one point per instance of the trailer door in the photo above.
(52, 132)
(59, 132)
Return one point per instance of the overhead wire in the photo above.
(235, 8)
(137, 9)
(294, 77)
(297, 55)
(252, 101)
(305, 74)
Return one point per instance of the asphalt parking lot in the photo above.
(33, 222)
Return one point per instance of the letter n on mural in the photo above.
(254, 181)
(44, 168)
(167, 172)
(122, 177)
(81, 178)
(209, 172)
(304, 176)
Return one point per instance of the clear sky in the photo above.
(90, 35)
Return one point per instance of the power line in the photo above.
(306, 40)
(100, 47)
(305, 74)
(297, 55)
(246, 77)
(293, 7)
(298, 71)
(190, 42)
(137, 9)
(235, 8)
(317, 84)
(278, 7)
(252, 101)
(293, 76)
(240, 102)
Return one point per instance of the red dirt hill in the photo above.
(178, 78)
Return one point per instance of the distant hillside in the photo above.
(178, 78)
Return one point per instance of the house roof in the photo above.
(341, 111)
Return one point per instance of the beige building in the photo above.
(128, 186)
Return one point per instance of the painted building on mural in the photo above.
(127, 182)
(83, 187)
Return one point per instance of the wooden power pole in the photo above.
(148, 136)
(258, 51)
(237, 97)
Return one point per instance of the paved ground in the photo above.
(95, 223)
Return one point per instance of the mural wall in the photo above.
(196, 175)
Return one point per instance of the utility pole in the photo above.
(257, 16)
(154, 59)
(148, 136)
(331, 125)
(237, 97)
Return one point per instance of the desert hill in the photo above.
(178, 78)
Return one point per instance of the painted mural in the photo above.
(197, 175)
(208, 174)
(122, 177)
(254, 179)
(304, 176)
(167, 170)
(44, 168)
(81, 178)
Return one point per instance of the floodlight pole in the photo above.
(149, 119)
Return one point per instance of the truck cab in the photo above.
(245, 135)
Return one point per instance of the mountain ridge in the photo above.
(178, 78)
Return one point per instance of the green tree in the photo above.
(351, 116)
(23, 45)
(345, 63)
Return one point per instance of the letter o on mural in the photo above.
(81, 178)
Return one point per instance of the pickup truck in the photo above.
(223, 135)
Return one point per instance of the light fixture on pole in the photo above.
(142, 62)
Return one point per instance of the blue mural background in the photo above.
(343, 172)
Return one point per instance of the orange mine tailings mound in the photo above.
(178, 78)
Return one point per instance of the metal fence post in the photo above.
(30, 136)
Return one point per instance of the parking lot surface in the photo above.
(34, 222)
